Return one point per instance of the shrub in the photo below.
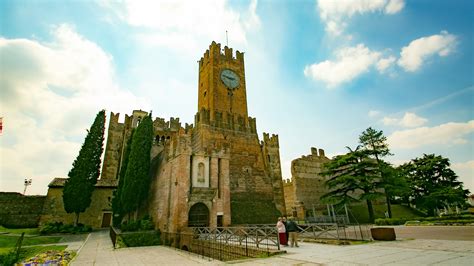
(137, 239)
(8, 258)
(59, 227)
(139, 225)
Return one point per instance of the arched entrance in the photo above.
(198, 215)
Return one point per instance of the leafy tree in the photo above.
(137, 178)
(118, 213)
(434, 184)
(85, 170)
(353, 177)
(375, 144)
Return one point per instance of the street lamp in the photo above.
(27, 183)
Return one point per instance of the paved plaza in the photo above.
(427, 249)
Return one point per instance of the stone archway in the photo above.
(198, 215)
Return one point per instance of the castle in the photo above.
(213, 173)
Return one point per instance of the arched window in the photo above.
(198, 215)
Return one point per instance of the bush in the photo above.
(8, 258)
(138, 239)
(391, 221)
(59, 227)
(139, 225)
(444, 220)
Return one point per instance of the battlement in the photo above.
(216, 53)
(317, 152)
(226, 120)
(270, 141)
(161, 124)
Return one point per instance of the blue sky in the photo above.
(318, 74)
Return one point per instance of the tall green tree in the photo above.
(434, 184)
(85, 170)
(118, 213)
(375, 144)
(137, 179)
(353, 177)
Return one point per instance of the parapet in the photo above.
(215, 53)
(162, 125)
(316, 152)
(270, 141)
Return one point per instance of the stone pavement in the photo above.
(98, 250)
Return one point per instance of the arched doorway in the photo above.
(198, 215)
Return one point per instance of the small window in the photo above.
(205, 93)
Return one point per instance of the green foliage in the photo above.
(85, 170)
(117, 209)
(59, 227)
(433, 183)
(139, 239)
(139, 225)
(353, 177)
(137, 176)
(391, 221)
(10, 241)
(398, 211)
(8, 259)
(443, 220)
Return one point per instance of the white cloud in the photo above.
(50, 95)
(336, 13)
(413, 56)
(408, 120)
(373, 113)
(185, 25)
(465, 171)
(394, 6)
(384, 63)
(350, 62)
(444, 134)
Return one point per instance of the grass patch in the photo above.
(10, 241)
(398, 211)
(28, 231)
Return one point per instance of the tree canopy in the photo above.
(353, 177)
(85, 170)
(433, 183)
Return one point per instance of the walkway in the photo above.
(98, 250)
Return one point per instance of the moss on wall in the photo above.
(19, 211)
(253, 208)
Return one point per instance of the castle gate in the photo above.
(198, 215)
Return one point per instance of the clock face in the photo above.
(230, 78)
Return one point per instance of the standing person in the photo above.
(281, 232)
(292, 229)
(285, 223)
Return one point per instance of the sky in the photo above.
(318, 73)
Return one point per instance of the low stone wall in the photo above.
(19, 211)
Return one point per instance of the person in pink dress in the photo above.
(281, 232)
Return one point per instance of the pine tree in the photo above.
(136, 182)
(85, 170)
(375, 144)
(434, 184)
(353, 177)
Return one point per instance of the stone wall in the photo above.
(19, 211)
(53, 208)
(307, 184)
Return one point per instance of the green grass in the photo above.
(398, 211)
(28, 231)
(10, 241)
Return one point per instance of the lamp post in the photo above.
(27, 183)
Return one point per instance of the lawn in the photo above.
(10, 241)
(398, 211)
(28, 231)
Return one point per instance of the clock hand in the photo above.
(231, 78)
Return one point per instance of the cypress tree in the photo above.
(85, 170)
(137, 178)
(116, 203)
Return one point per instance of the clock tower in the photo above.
(222, 89)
